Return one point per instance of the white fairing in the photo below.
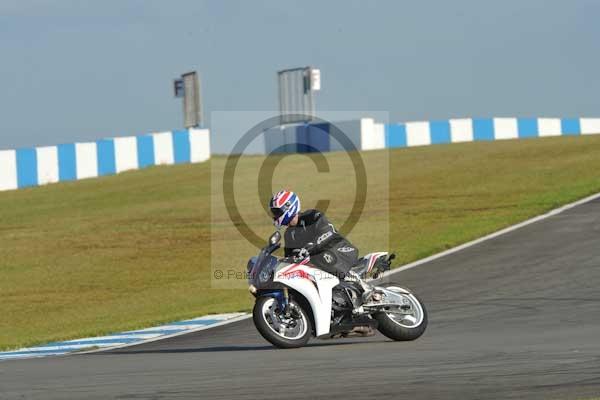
(316, 286)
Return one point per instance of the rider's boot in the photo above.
(364, 331)
(367, 326)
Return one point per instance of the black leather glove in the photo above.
(301, 254)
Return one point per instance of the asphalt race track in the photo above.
(514, 317)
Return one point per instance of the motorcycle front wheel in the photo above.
(283, 331)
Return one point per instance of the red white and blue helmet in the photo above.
(284, 206)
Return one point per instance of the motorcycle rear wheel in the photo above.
(282, 332)
(403, 328)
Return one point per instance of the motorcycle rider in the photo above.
(311, 233)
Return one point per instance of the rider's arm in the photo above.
(325, 234)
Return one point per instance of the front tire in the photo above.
(282, 332)
(403, 328)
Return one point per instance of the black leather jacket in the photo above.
(329, 250)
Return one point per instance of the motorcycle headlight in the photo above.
(265, 274)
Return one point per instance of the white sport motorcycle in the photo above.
(295, 300)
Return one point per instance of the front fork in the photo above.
(282, 297)
(286, 302)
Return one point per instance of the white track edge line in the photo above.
(493, 235)
(70, 352)
(156, 339)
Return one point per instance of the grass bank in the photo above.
(132, 250)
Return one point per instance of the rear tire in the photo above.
(265, 308)
(398, 331)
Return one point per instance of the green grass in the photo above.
(132, 250)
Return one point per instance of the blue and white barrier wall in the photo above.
(66, 162)
(467, 130)
(366, 134)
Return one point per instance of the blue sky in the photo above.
(81, 70)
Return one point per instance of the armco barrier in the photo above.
(42, 165)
